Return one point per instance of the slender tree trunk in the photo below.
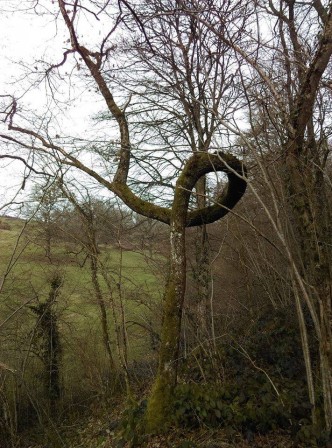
(119, 332)
(123, 325)
(310, 210)
(306, 354)
(48, 240)
(203, 280)
(326, 365)
(102, 307)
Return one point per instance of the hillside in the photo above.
(50, 312)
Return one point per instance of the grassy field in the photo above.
(28, 272)
(31, 258)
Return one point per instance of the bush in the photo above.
(255, 408)
(130, 430)
(263, 386)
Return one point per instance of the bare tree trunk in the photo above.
(160, 401)
(306, 353)
(48, 239)
(102, 307)
(119, 332)
(123, 325)
(201, 269)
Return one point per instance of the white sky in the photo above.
(20, 39)
(24, 39)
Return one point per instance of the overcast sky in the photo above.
(25, 39)
(21, 39)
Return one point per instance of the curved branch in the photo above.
(118, 114)
(203, 163)
(145, 208)
(197, 166)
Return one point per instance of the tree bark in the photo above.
(308, 203)
(160, 401)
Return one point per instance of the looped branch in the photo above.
(236, 172)
(197, 166)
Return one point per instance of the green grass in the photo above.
(79, 313)
(34, 264)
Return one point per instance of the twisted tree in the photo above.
(186, 70)
(178, 215)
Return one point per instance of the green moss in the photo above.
(141, 206)
(159, 408)
(161, 400)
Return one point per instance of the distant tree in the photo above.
(47, 341)
(47, 210)
(86, 234)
